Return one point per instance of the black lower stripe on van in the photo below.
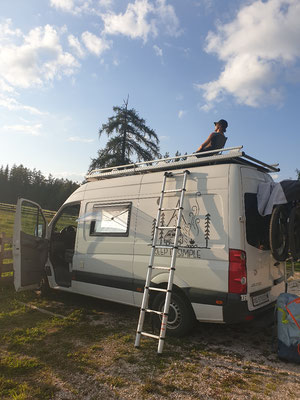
(117, 282)
(195, 295)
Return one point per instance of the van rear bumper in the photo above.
(235, 310)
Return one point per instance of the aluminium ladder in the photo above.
(171, 269)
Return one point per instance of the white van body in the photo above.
(114, 214)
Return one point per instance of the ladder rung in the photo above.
(172, 190)
(169, 247)
(150, 335)
(170, 209)
(164, 268)
(167, 227)
(157, 289)
(154, 311)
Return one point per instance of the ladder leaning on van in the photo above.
(174, 246)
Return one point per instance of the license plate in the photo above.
(260, 299)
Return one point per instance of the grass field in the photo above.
(90, 354)
(7, 222)
(83, 349)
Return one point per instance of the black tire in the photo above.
(279, 242)
(294, 233)
(181, 317)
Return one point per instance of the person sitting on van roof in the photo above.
(216, 140)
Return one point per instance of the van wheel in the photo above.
(181, 316)
(294, 233)
(279, 243)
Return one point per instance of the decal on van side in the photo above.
(191, 238)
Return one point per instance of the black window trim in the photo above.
(259, 240)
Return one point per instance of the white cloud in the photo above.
(76, 46)
(79, 139)
(4, 87)
(37, 60)
(105, 3)
(181, 113)
(12, 104)
(78, 7)
(132, 23)
(258, 48)
(168, 18)
(33, 130)
(158, 51)
(6, 32)
(142, 19)
(94, 44)
(65, 5)
(31, 60)
(206, 107)
(164, 138)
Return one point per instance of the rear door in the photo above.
(264, 274)
(30, 246)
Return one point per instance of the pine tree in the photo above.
(207, 229)
(129, 137)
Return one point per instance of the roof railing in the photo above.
(161, 164)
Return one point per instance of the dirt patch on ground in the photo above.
(90, 355)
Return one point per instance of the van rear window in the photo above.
(257, 227)
(111, 220)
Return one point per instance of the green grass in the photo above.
(90, 353)
(7, 222)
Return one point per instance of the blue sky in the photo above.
(184, 64)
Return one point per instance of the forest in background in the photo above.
(19, 181)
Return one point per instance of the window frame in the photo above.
(38, 216)
(57, 216)
(259, 240)
(111, 234)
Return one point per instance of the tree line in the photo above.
(19, 181)
(129, 140)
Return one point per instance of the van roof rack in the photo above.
(228, 155)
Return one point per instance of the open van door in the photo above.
(30, 245)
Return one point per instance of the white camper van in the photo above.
(99, 242)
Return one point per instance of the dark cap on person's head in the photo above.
(222, 122)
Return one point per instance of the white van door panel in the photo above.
(106, 249)
(30, 246)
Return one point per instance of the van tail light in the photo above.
(237, 280)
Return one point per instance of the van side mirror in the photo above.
(39, 230)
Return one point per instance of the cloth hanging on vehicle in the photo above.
(288, 327)
(270, 194)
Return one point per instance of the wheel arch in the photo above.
(179, 285)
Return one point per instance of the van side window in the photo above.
(110, 220)
(257, 227)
